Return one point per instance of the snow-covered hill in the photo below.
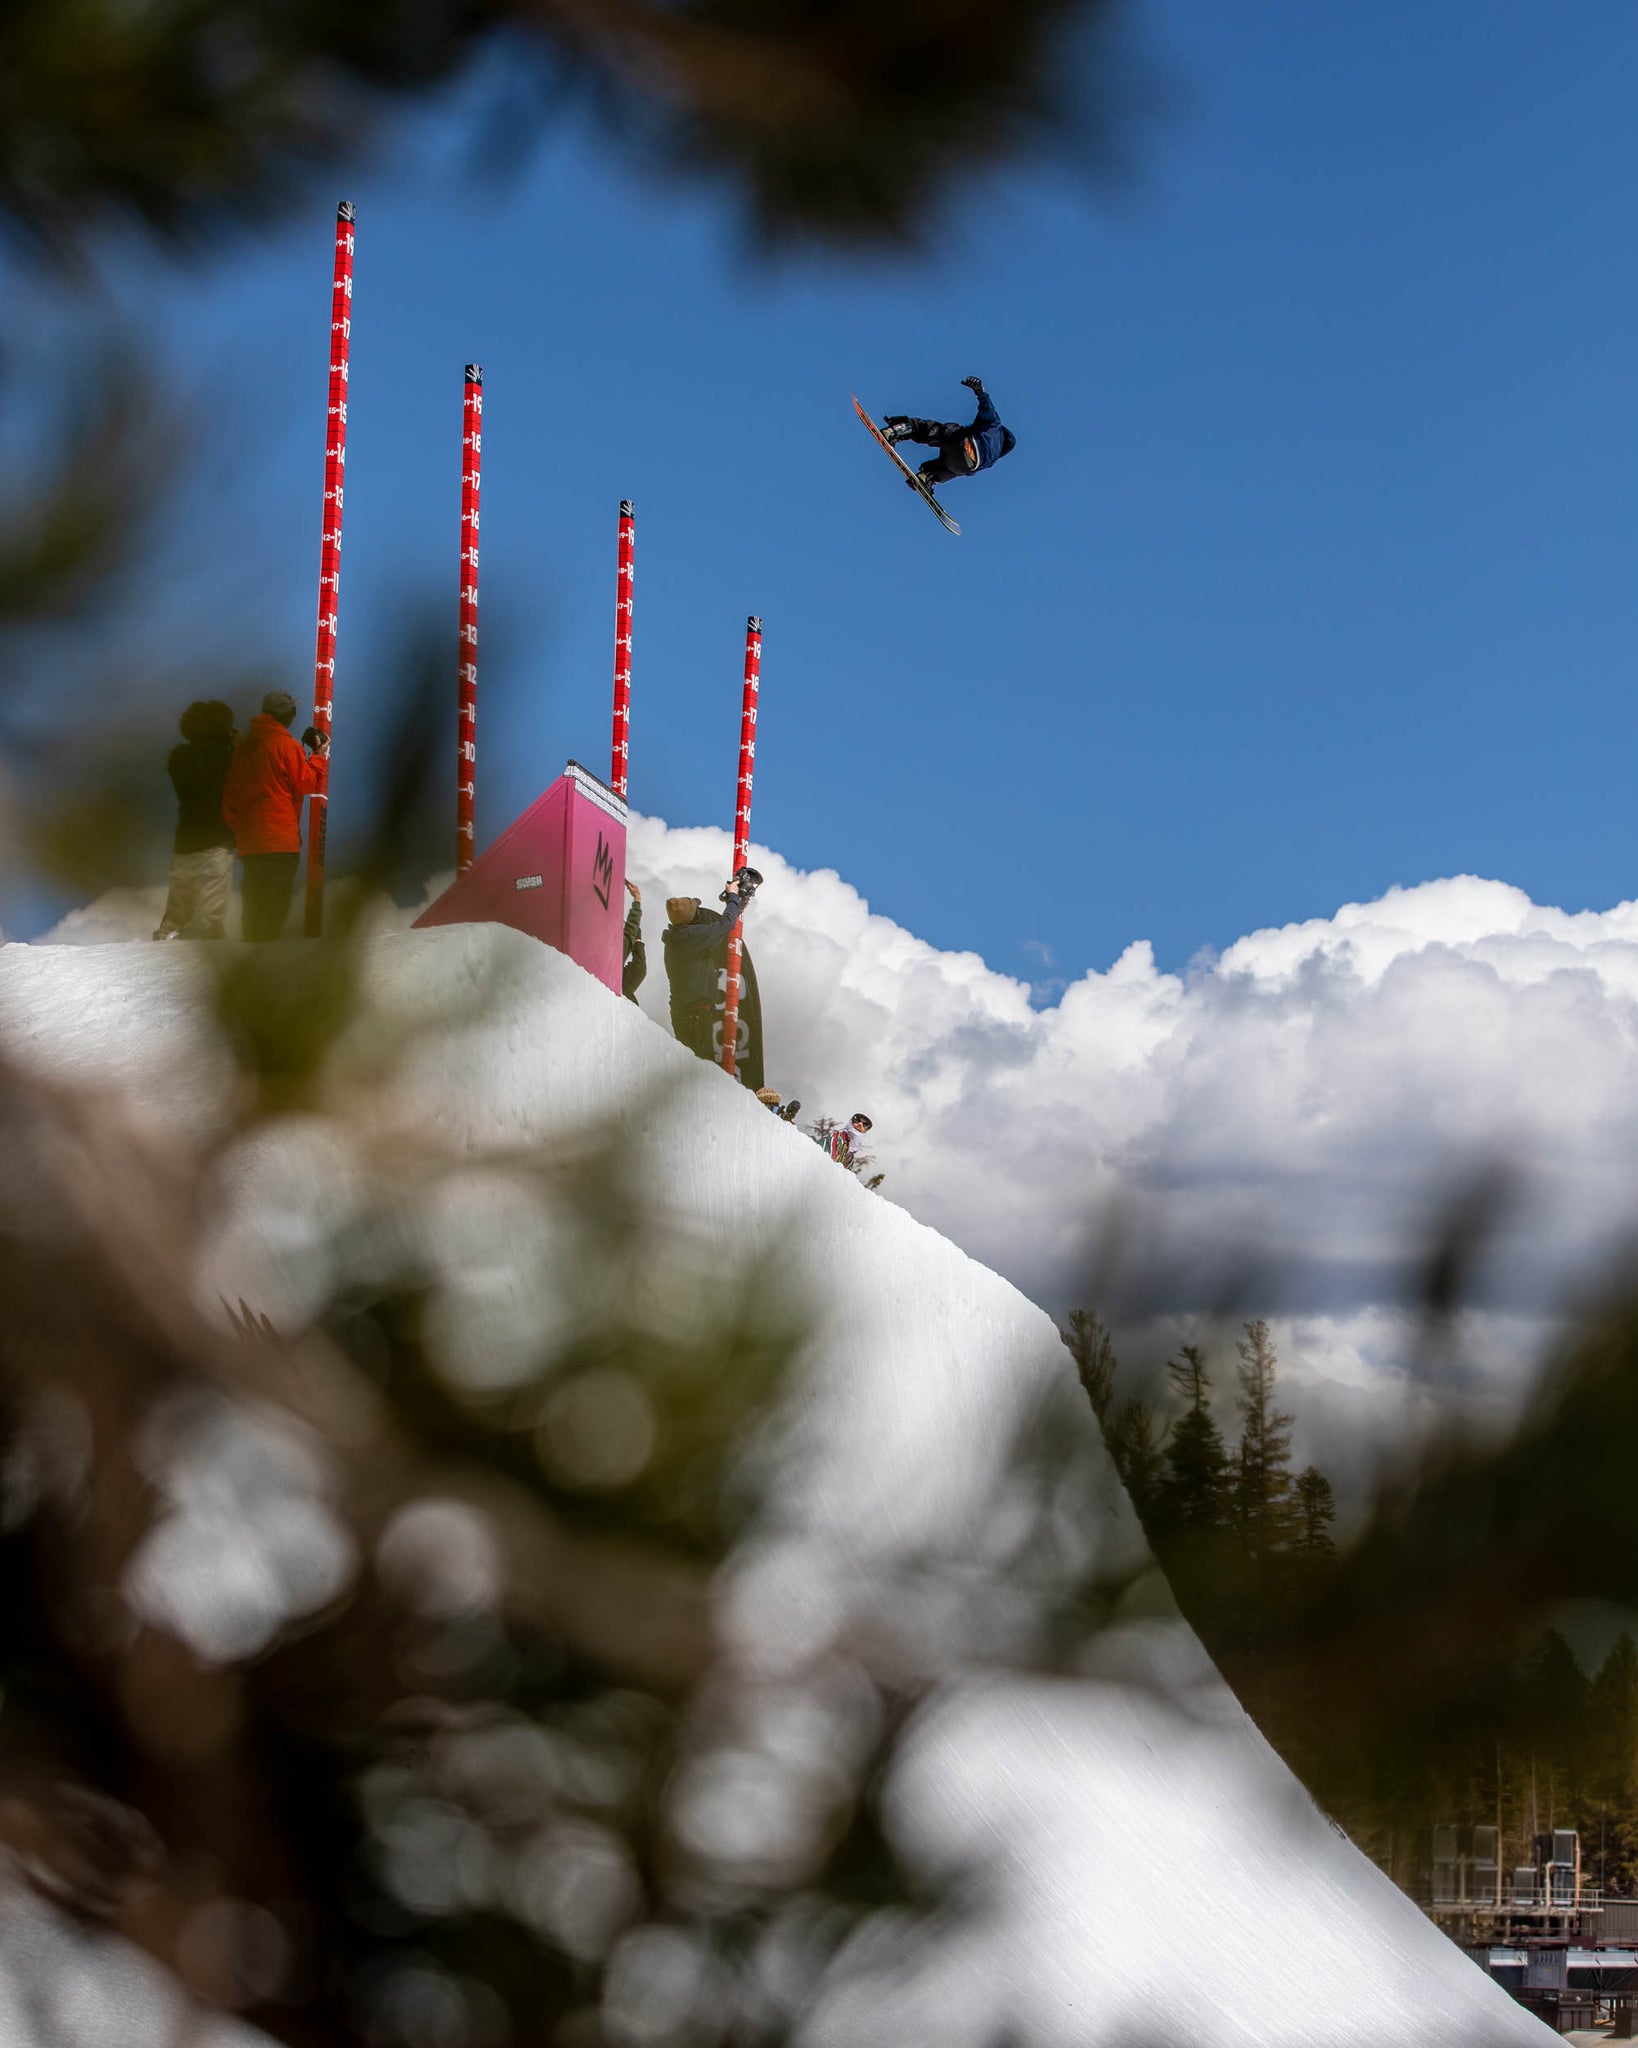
(1078, 1801)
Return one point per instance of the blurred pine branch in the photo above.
(829, 119)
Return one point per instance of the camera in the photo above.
(745, 884)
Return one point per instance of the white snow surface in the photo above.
(1074, 1804)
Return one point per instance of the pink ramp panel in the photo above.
(558, 872)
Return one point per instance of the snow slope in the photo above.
(1077, 1801)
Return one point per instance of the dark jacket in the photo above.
(988, 436)
(695, 954)
(696, 966)
(198, 769)
(634, 958)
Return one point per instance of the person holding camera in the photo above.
(269, 776)
(633, 953)
(696, 961)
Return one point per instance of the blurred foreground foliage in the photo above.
(376, 1676)
(826, 119)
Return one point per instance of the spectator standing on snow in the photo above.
(696, 951)
(270, 775)
(201, 876)
(634, 959)
(843, 1141)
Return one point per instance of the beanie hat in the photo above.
(771, 1096)
(208, 719)
(281, 705)
(681, 909)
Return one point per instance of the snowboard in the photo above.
(922, 490)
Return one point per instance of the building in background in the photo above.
(1561, 1947)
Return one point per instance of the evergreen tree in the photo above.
(1093, 1351)
(1557, 1698)
(1133, 1433)
(1612, 1758)
(1135, 1436)
(1262, 1481)
(1316, 1510)
(1193, 1491)
(1613, 1711)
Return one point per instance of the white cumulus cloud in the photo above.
(1292, 1116)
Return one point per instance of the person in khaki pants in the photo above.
(201, 876)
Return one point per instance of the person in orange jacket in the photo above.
(267, 778)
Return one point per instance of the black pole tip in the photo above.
(474, 373)
(626, 509)
(345, 210)
(753, 624)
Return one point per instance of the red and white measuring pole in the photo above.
(335, 476)
(466, 737)
(742, 829)
(622, 650)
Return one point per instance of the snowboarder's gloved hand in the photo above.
(973, 383)
(314, 741)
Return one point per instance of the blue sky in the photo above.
(1311, 572)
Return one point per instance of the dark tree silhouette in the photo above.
(1262, 1477)
(1192, 1499)
(1316, 1512)
(1093, 1350)
(1136, 1436)
(826, 119)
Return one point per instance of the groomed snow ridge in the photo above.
(1080, 1801)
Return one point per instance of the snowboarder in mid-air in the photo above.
(962, 451)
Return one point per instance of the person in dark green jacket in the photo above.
(634, 957)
